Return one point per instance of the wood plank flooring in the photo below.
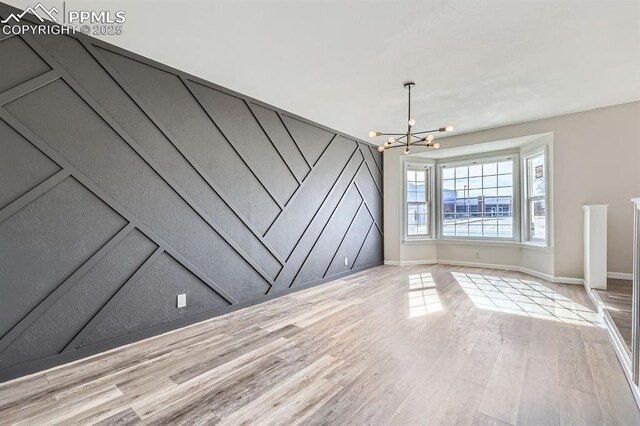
(617, 302)
(432, 345)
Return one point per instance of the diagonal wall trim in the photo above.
(147, 159)
(314, 125)
(28, 86)
(368, 209)
(32, 194)
(324, 274)
(25, 322)
(174, 141)
(362, 245)
(296, 144)
(299, 190)
(373, 154)
(253, 114)
(186, 82)
(323, 201)
(102, 313)
(91, 186)
(329, 219)
(312, 223)
(320, 236)
(375, 181)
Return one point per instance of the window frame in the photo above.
(427, 167)
(526, 231)
(476, 160)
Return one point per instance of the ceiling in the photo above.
(476, 64)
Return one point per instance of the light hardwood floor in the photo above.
(417, 345)
(617, 302)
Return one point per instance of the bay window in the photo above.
(498, 197)
(477, 199)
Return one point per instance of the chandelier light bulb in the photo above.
(391, 139)
(412, 122)
(436, 145)
(406, 150)
(373, 134)
(430, 138)
(449, 128)
(381, 148)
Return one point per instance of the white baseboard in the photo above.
(620, 275)
(410, 262)
(546, 277)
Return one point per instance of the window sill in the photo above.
(536, 246)
(486, 243)
(418, 241)
(472, 242)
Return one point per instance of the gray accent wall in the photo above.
(124, 183)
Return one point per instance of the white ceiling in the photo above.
(477, 64)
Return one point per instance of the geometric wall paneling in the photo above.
(121, 106)
(199, 135)
(22, 166)
(376, 157)
(48, 334)
(79, 134)
(372, 197)
(372, 165)
(126, 182)
(46, 241)
(311, 140)
(371, 249)
(352, 242)
(151, 300)
(237, 123)
(292, 222)
(19, 63)
(318, 223)
(274, 127)
(325, 247)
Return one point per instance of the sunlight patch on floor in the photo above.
(523, 297)
(423, 296)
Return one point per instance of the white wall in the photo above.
(596, 160)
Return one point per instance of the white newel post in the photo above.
(595, 246)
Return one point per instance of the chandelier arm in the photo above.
(393, 134)
(426, 131)
(395, 146)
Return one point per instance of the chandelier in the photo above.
(410, 138)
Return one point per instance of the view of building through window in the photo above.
(417, 203)
(477, 200)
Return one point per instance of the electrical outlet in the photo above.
(346, 261)
(477, 255)
(182, 300)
